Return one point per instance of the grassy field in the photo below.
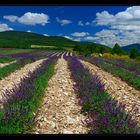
(39, 46)
(13, 51)
(6, 60)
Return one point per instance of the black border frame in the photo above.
(69, 3)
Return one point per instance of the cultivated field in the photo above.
(38, 46)
(58, 92)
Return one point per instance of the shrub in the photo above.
(107, 55)
(116, 49)
(95, 54)
(134, 53)
(137, 58)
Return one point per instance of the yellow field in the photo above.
(38, 46)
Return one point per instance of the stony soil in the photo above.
(117, 88)
(15, 77)
(5, 64)
(60, 112)
(71, 54)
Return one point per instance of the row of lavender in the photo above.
(35, 54)
(130, 66)
(23, 59)
(19, 105)
(105, 115)
(129, 77)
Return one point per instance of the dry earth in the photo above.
(60, 112)
(117, 88)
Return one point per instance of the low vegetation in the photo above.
(19, 110)
(6, 59)
(5, 51)
(131, 78)
(22, 60)
(105, 115)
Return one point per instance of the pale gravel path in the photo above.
(60, 112)
(117, 88)
(15, 77)
(5, 64)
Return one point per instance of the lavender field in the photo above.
(60, 92)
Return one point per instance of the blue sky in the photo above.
(101, 24)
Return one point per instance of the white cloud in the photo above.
(104, 18)
(110, 37)
(29, 31)
(34, 18)
(5, 27)
(45, 34)
(80, 23)
(80, 34)
(87, 23)
(124, 15)
(107, 37)
(30, 18)
(77, 39)
(125, 20)
(11, 18)
(123, 27)
(90, 38)
(63, 21)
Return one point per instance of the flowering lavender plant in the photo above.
(131, 78)
(104, 114)
(20, 103)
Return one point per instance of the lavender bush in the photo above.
(125, 75)
(105, 115)
(20, 104)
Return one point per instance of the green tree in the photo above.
(134, 53)
(101, 50)
(117, 49)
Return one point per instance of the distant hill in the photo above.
(18, 39)
(131, 46)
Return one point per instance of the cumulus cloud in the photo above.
(80, 23)
(5, 27)
(63, 21)
(30, 18)
(45, 34)
(90, 38)
(34, 18)
(123, 27)
(87, 23)
(125, 20)
(104, 18)
(110, 37)
(29, 31)
(80, 34)
(11, 18)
